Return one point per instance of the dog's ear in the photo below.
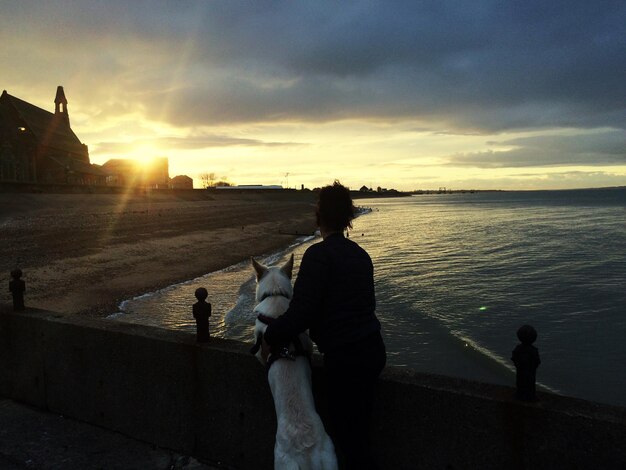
(259, 268)
(288, 267)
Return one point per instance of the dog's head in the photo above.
(273, 280)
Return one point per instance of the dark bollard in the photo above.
(17, 287)
(526, 359)
(202, 312)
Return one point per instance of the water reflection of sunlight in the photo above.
(456, 278)
(231, 294)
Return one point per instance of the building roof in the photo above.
(48, 128)
(120, 162)
(181, 178)
(77, 166)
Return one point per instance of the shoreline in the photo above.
(85, 254)
(279, 251)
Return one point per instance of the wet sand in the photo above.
(86, 253)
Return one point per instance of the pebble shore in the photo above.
(85, 253)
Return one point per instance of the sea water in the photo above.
(457, 274)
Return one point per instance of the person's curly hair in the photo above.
(335, 209)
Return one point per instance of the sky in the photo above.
(409, 95)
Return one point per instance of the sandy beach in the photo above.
(84, 253)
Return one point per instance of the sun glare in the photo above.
(144, 151)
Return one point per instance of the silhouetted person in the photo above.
(526, 359)
(334, 298)
(17, 287)
(202, 312)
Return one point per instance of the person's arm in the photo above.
(307, 301)
(537, 360)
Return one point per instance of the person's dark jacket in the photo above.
(333, 297)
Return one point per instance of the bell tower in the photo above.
(60, 105)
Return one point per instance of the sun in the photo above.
(145, 153)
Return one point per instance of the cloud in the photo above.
(142, 73)
(192, 142)
(609, 142)
(208, 141)
(480, 66)
(556, 180)
(598, 148)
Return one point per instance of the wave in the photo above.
(491, 359)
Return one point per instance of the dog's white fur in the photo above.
(301, 440)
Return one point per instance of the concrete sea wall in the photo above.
(213, 401)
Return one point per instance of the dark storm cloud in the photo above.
(479, 67)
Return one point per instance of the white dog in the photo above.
(301, 441)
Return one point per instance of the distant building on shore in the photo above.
(181, 182)
(128, 172)
(37, 146)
